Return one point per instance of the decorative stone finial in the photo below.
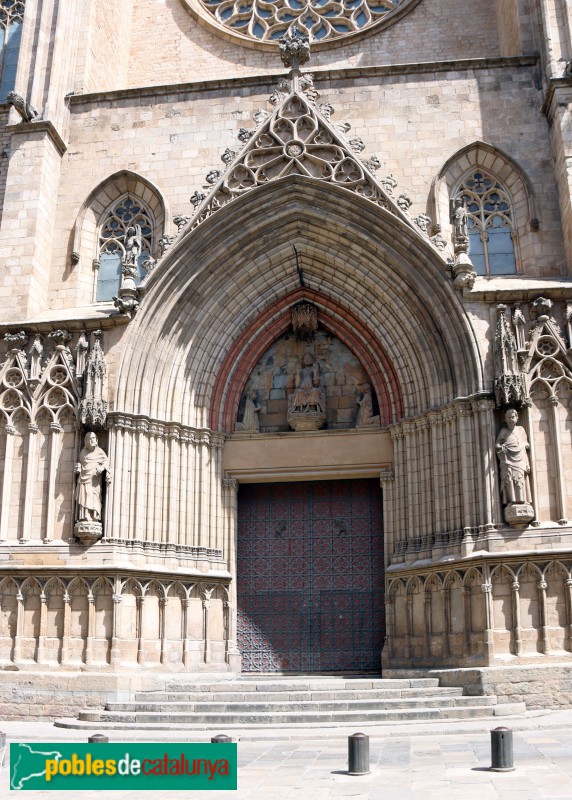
(294, 49)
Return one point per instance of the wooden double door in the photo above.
(310, 576)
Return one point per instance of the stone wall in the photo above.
(481, 613)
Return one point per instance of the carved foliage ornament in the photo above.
(297, 140)
(319, 20)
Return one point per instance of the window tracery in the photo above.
(321, 20)
(490, 225)
(11, 19)
(128, 212)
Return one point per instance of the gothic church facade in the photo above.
(285, 342)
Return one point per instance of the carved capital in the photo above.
(230, 484)
(386, 476)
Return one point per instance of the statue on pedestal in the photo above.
(307, 403)
(512, 451)
(93, 462)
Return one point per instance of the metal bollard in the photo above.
(221, 738)
(358, 754)
(98, 737)
(501, 750)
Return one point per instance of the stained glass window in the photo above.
(126, 213)
(489, 223)
(11, 17)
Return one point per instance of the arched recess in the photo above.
(222, 276)
(509, 174)
(85, 231)
(275, 321)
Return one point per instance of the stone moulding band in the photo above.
(205, 553)
(170, 430)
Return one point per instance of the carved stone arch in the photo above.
(101, 583)
(8, 581)
(433, 583)
(399, 289)
(54, 583)
(473, 577)
(395, 587)
(84, 244)
(176, 589)
(510, 175)
(155, 586)
(414, 585)
(529, 569)
(557, 567)
(134, 585)
(31, 585)
(453, 578)
(79, 582)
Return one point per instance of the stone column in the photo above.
(464, 415)
(428, 627)
(140, 602)
(185, 633)
(31, 473)
(19, 628)
(412, 498)
(491, 509)
(401, 511)
(447, 622)
(89, 659)
(56, 431)
(7, 482)
(387, 653)
(542, 585)
(466, 595)
(67, 627)
(206, 600)
(115, 656)
(230, 490)
(438, 483)
(516, 618)
(569, 612)
(487, 588)
(41, 659)
(559, 476)
(173, 485)
(162, 629)
(386, 479)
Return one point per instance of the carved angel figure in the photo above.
(365, 415)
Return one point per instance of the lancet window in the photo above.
(128, 217)
(490, 224)
(11, 18)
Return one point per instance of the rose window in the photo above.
(320, 20)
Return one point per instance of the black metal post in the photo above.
(221, 738)
(98, 737)
(501, 750)
(358, 754)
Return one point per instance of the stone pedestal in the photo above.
(518, 513)
(306, 420)
(88, 532)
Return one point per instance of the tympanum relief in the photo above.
(307, 383)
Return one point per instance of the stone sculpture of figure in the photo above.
(36, 351)
(308, 394)
(93, 462)
(365, 416)
(24, 109)
(511, 447)
(460, 218)
(133, 245)
(250, 421)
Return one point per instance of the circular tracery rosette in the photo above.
(261, 23)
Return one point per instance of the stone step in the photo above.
(156, 720)
(273, 684)
(213, 707)
(271, 697)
